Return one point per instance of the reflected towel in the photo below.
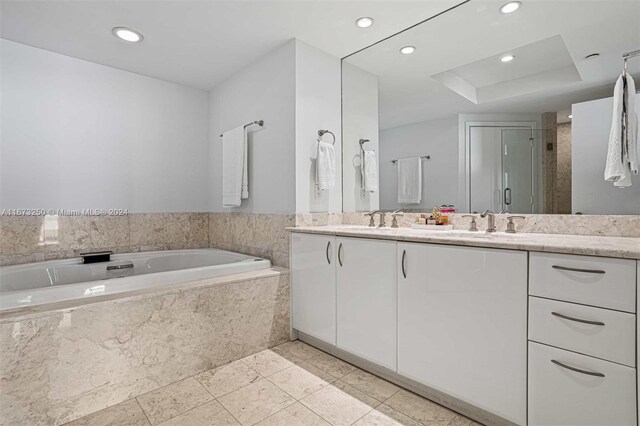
(369, 171)
(235, 182)
(325, 166)
(622, 152)
(410, 180)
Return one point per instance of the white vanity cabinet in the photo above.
(366, 292)
(313, 286)
(462, 324)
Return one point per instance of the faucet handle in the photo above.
(473, 226)
(372, 223)
(511, 227)
(395, 215)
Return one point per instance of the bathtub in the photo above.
(62, 280)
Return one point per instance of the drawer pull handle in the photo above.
(340, 254)
(589, 271)
(577, 319)
(577, 370)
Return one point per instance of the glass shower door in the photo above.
(518, 148)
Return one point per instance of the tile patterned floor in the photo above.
(293, 384)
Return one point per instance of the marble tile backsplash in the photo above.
(611, 226)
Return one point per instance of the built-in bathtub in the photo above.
(61, 280)
(76, 339)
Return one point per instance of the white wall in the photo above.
(437, 138)
(80, 135)
(590, 193)
(360, 109)
(265, 90)
(318, 106)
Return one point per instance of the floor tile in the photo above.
(331, 365)
(267, 362)
(294, 415)
(357, 394)
(210, 413)
(386, 416)
(172, 400)
(460, 420)
(371, 385)
(297, 382)
(420, 409)
(316, 371)
(297, 349)
(227, 378)
(126, 413)
(256, 402)
(336, 406)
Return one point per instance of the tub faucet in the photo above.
(491, 220)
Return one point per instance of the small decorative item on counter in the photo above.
(431, 221)
(422, 220)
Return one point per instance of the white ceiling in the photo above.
(201, 43)
(471, 35)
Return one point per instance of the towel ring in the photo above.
(321, 133)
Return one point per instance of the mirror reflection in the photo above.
(485, 110)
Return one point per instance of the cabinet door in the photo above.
(462, 324)
(313, 282)
(367, 299)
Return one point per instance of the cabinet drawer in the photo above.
(559, 395)
(597, 281)
(610, 336)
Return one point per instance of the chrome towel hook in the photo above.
(321, 133)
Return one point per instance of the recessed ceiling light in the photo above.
(507, 58)
(510, 7)
(408, 50)
(127, 34)
(570, 116)
(364, 22)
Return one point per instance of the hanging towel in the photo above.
(234, 167)
(325, 166)
(369, 171)
(622, 155)
(410, 180)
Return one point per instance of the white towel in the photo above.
(410, 180)
(325, 166)
(369, 171)
(622, 154)
(235, 175)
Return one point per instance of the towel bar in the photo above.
(258, 122)
(321, 133)
(422, 157)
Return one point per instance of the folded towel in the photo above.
(369, 171)
(325, 166)
(622, 154)
(234, 167)
(410, 180)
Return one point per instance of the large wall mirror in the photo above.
(490, 110)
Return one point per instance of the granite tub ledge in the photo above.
(619, 247)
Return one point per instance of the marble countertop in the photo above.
(620, 247)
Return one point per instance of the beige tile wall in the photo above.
(32, 239)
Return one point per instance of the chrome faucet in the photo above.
(491, 220)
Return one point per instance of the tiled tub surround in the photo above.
(75, 359)
(34, 239)
(590, 245)
(25, 239)
(255, 234)
(292, 384)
